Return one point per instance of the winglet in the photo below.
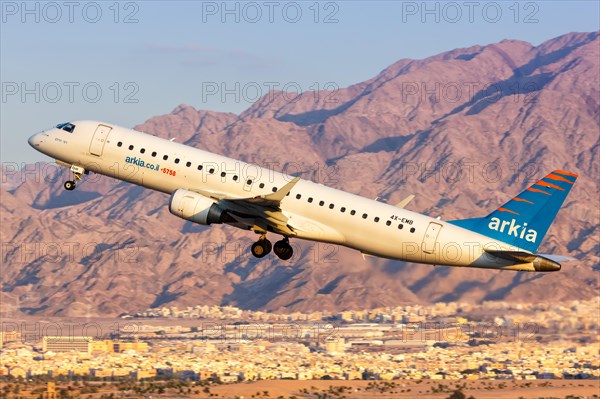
(282, 192)
(364, 255)
(405, 201)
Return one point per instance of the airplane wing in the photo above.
(258, 212)
(405, 201)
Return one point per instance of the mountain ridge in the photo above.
(404, 131)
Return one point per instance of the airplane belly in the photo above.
(310, 229)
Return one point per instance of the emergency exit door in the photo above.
(430, 237)
(99, 139)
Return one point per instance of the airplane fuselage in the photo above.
(315, 212)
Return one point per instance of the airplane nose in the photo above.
(35, 140)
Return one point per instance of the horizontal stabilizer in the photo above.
(539, 262)
(516, 256)
(558, 258)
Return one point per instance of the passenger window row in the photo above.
(187, 164)
(262, 185)
(353, 212)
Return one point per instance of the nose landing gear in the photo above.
(78, 171)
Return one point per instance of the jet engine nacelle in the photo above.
(195, 207)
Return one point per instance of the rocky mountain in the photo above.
(463, 131)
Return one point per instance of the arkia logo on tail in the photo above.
(514, 229)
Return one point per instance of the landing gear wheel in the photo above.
(78, 172)
(261, 248)
(283, 249)
(70, 185)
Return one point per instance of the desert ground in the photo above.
(288, 389)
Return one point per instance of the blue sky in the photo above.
(125, 62)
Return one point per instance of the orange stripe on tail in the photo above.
(546, 184)
(522, 200)
(535, 190)
(507, 210)
(559, 178)
(562, 172)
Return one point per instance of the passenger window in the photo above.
(342, 209)
(153, 153)
(199, 167)
(274, 189)
(261, 185)
(400, 226)
(388, 223)
(142, 150)
(365, 216)
(331, 206)
(165, 157)
(298, 196)
(412, 229)
(235, 178)
(321, 203)
(211, 171)
(310, 199)
(176, 160)
(376, 219)
(188, 164)
(353, 212)
(130, 147)
(249, 182)
(119, 144)
(223, 174)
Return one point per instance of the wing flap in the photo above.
(257, 211)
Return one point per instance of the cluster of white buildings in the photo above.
(442, 341)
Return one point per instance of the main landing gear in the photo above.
(77, 173)
(262, 248)
(283, 249)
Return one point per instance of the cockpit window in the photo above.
(68, 127)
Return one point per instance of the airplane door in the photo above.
(99, 139)
(430, 237)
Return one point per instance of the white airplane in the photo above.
(207, 188)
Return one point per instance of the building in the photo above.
(8, 336)
(102, 346)
(136, 346)
(335, 346)
(88, 345)
(59, 344)
(50, 392)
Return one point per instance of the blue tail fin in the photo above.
(524, 220)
